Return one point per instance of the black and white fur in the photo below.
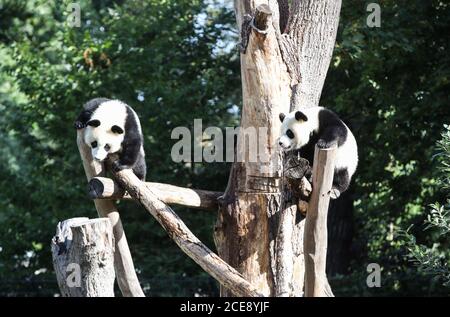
(112, 126)
(302, 130)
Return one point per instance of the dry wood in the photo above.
(83, 257)
(258, 229)
(123, 263)
(184, 238)
(262, 20)
(106, 188)
(316, 236)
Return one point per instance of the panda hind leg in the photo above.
(341, 182)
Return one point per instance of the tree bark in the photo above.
(259, 231)
(316, 235)
(83, 257)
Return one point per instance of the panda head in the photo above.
(295, 130)
(103, 138)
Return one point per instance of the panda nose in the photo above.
(281, 143)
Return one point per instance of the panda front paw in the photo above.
(79, 125)
(117, 167)
(322, 144)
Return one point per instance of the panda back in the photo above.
(347, 154)
(132, 120)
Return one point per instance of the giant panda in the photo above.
(113, 127)
(302, 130)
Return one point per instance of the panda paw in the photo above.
(334, 193)
(117, 167)
(322, 144)
(79, 125)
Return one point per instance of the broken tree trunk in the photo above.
(286, 48)
(123, 263)
(183, 237)
(83, 257)
(315, 236)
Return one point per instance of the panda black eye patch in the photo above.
(94, 144)
(94, 123)
(290, 134)
(116, 129)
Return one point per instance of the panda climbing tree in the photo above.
(286, 48)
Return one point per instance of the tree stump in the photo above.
(83, 257)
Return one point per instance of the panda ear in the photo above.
(282, 116)
(94, 123)
(300, 116)
(116, 129)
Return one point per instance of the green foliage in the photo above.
(168, 60)
(444, 156)
(439, 219)
(433, 260)
(391, 85)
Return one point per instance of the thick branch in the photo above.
(123, 263)
(308, 46)
(106, 188)
(184, 238)
(316, 236)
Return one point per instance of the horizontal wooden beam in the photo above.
(106, 188)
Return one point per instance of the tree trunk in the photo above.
(285, 54)
(83, 257)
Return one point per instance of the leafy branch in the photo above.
(430, 260)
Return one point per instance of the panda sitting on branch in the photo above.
(113, 127)
(302, 130)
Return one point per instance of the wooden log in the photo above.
(106, 188)
(315, 234)
(83, 257)
(123, 263)
(183, 237)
